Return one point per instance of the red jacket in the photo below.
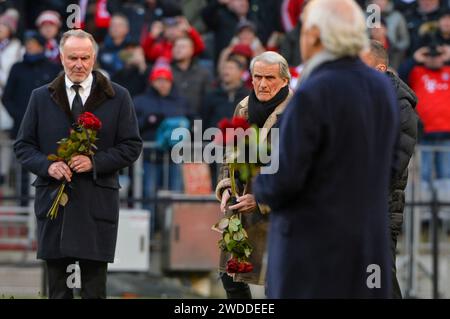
(154, 49)
(433, 91)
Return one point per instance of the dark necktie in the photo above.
(77, 104)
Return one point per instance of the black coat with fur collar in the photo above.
(86, 227)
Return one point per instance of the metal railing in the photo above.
(423, 204)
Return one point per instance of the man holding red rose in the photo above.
(85, 229)
(271, 94)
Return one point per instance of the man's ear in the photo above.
(315, 34)
(381, 67)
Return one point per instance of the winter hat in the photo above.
(10, 19)
(161, 69)
(35, 36)
(49, 16)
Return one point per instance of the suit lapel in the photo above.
(58, 94)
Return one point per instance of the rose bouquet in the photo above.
(80, 142)
(240, 140)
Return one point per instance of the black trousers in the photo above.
(235, 290)
(92, 275)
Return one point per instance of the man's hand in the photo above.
(184, 24)
(226, 194)
(445, 51)
(81, 164)
(420, 55)
(246, 204)
(60, 170)
(156, 29)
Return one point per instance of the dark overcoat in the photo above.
(86, 228)
(328, 235)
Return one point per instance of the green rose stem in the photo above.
(233, 182)
(53, 212)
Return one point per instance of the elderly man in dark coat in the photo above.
(328, 235)
(85, 229)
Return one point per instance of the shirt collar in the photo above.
(86, 84)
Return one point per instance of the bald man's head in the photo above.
(376, 56)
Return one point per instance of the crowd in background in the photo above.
(189, 59)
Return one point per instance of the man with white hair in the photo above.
(328, 235)
(263, 107)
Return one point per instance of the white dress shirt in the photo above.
(84, 91)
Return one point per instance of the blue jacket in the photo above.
(329, 197)
(151, 104)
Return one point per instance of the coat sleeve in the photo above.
(300, 122)
(27, 147)
(128, 143)
(199, 45)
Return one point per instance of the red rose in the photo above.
(240, 122)
(228, 128)
(234, 266)
(89, 121)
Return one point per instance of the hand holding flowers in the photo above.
(73, 153)
(241, 142)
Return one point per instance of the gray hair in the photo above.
(270, 57)
(341, 23)
(77, 33)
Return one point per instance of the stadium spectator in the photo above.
(190, 78)
(222, 17)
(10, 53)
(134, 74)
(34, 71)
(160, 102)
(430, 79)
(421, 18)
(159, 41)
(116, 40)
(49, 25)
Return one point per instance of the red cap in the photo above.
(161, 69)
(242, 49)
(160, 72)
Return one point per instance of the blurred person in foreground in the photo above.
(263, 107)
(85, 229)
(328, 235)
(377, 58)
